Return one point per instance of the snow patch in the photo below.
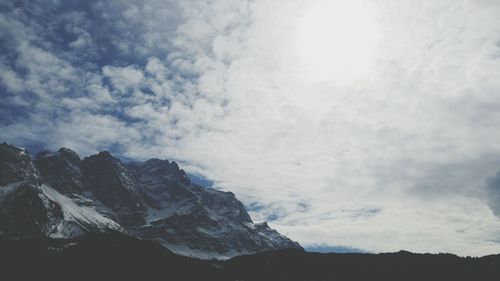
(77, 219)
(22, 149)
(185, 250)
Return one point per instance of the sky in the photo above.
(363, 124)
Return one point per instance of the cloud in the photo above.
(493, 189)
(12, 81)
(392, 157)
(82, 41)
(123, 78)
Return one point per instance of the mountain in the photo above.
(183, 214)
(59, 195)
(114, 256)
(31, 208)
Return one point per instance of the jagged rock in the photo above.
(61, 170)
(30, 208)
(115, 187)
(15, 165)
(192, 220)
(63, 196)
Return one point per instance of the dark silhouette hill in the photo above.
(94, 256)
(115, 256)
(300, 265)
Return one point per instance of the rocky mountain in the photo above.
(29, 207)
(59, 195)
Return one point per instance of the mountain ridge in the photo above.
(59, 195)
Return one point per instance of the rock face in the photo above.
(192, 220)
(59, 195)
(29, 207)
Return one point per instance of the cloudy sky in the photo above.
(362, 124)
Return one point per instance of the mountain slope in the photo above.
(202, 222)
(59, 195)
(29, 208)
(76, 219)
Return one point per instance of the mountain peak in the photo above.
(174, 165)
(15, 165)
(262, 224)
(102, 157)
(106, 154)
(44, 153)
(152, 200)
(68, 153)
(13, 149)
(63, 153)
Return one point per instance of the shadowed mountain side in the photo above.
(58, 195)
(115, 256)
(96, 257)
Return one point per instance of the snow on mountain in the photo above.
(113, 185)
(30, 208)
(61, 170)
(196, 221)
(59, 195)
(76, 219)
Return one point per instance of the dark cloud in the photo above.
(493, 192)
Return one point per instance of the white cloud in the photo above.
(414, 129)
(392, 157)
(11, 80)
(123, 78)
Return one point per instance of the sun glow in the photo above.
(337, 39)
